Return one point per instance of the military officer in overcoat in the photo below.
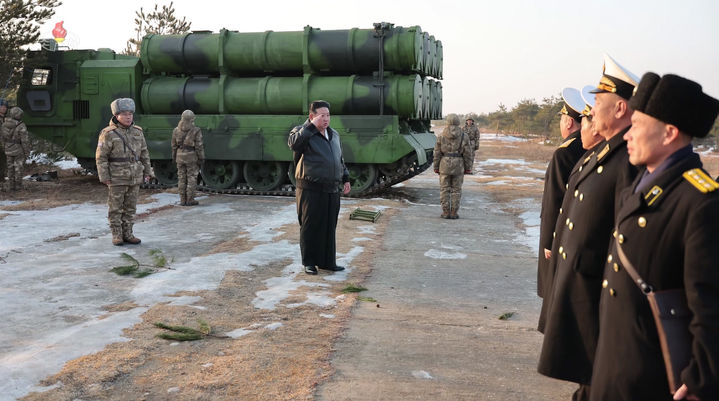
(590, 137)
(582, 237)
(591, 140)
(555, 180)
(668, 227)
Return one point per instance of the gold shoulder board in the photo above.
(567, 143)
(603, 152)
(700, 180)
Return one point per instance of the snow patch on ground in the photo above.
(64, 164)
(421, 374)
(367, 229)
(500, 137)
(64, 280)
(531, 222)
(513, 162)
(273, 326)
(437, 254)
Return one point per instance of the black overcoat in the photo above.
(670, 233)
(583, 231)
(552, 263)
(555, 180)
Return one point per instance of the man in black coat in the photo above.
(582, 237)
(590, 140)
(668, 227)
(555, 181)
(320, 173)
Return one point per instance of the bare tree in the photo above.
(20, 22)
(160, 21)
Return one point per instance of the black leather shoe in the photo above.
(334, 269)
(310, 270)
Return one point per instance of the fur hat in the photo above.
(677, 101)
(122, 104)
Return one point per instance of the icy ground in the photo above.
(55, 274)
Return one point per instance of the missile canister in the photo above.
(402, 95)
(341, 52)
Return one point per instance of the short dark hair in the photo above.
(318, 104)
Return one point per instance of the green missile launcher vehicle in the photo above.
(248, 90)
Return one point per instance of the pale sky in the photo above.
(498, 51)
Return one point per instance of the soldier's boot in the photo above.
(183, 199)
(117, 235)
(453, 212)
(128, 236)
(191, 198)
(445, 213)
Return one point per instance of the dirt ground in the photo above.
(285, 363)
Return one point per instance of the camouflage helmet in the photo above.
(452, 119)
(122, 104)
(188, 115)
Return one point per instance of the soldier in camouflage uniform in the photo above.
(122, 163)
(472, 133)
(189, 154)
(452, 158)
(17, 146)
(3, 161)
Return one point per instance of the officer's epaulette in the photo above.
(137, 126)
(588, 158)
(700, 180)
(603, 152)
(567, 143)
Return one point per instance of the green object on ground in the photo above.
(366, 215)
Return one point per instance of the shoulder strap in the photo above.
(125, 144)
(461, 139)
(643, 286)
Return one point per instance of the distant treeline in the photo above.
(529, 118)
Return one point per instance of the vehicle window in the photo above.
(40, 77)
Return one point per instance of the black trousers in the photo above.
(317, 213)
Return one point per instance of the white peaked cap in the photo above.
(573, 100)
(611, 67)
(616, 79)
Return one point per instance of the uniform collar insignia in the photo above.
(653, 195)
(603, 152)
(567, 142)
